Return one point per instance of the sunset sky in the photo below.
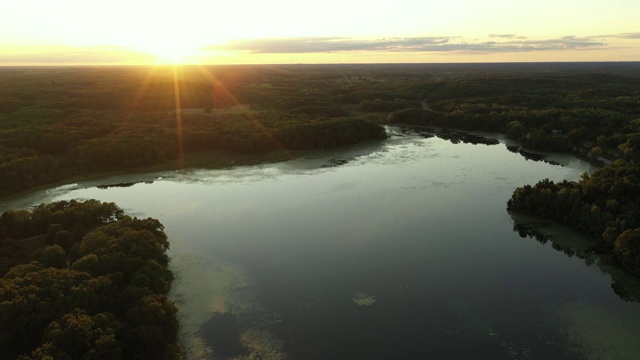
(85, 32)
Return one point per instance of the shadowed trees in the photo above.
(103, 297)
(605, 206)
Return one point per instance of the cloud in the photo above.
(74, 55)
(491, 44)
(503, 43)
(625, 35)
(330, 44)
(507, 36)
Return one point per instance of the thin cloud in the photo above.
(507, 36)
(74, 55)
(329, 44)
(494, 44)
(625, 36)
(504, 43)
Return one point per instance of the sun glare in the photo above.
(170, 47)
(172, 54)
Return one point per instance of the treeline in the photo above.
(81, 280)
(39, 153)
(604, 205)
(591, 114)
(42, 141)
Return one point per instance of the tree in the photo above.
(53, 256)
(77, 335)
(627, 248)
(107, 304)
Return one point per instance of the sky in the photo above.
(133, 32)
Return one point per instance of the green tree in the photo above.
(53, 256)
(627, 248)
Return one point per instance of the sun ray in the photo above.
(217, 83)
(135, 103)
(178, 112)
(254, 120)
(180, 77)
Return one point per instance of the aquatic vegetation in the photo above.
(363, 299)
(262, 344)
(216, 296)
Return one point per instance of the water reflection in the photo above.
(573, 243)
(531, 155)
(457, 137)
(124, 184)
(395, 249)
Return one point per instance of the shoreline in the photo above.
(196, 160)
(211, 160)
(222, 160)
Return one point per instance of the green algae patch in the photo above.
(218, 307)
(261, 344)
(202, 288)
(363, 299)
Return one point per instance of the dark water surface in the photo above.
(395, 250)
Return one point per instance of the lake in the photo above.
(401, 249)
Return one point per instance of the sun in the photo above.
(172, 53)
(176, 56)
(170, 46)
(171, 39)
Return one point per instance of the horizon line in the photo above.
(320, 63)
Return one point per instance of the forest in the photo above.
(56, 123)
(84, 280)
(60, 123)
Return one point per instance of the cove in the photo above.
(395, 249)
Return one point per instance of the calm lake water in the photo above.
(401, 249)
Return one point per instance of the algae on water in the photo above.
(206, 287)
(363, 299)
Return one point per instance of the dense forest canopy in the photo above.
(59, 122)
(82, 280)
